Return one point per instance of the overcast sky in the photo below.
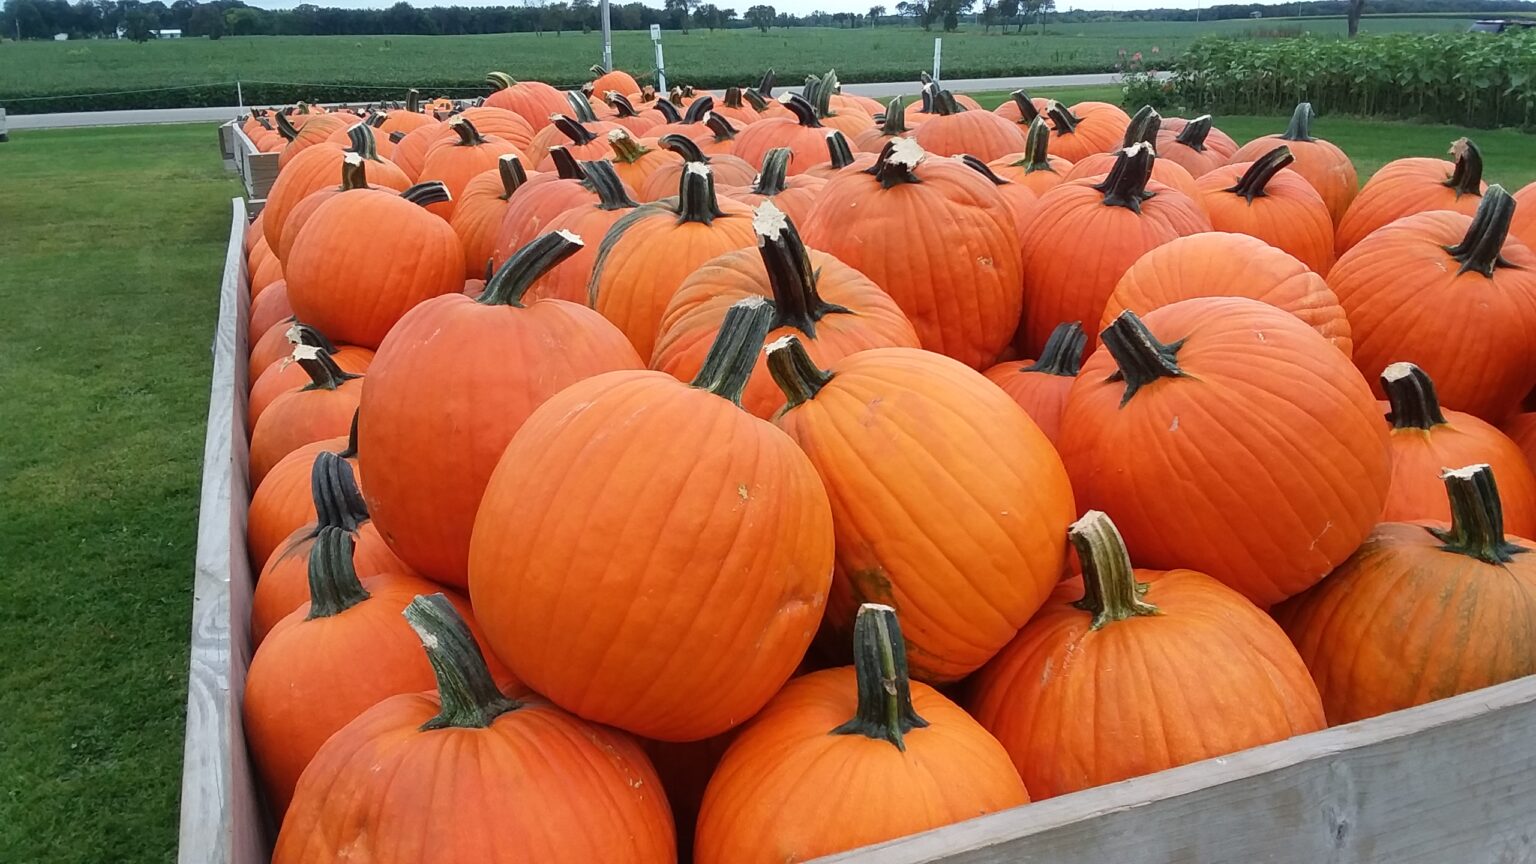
(795, 6)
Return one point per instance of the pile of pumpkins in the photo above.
(746, 478)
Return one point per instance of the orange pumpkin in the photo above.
(1021, 108)
(585, 139)
(1265, 430)
(406, 117)
(722, 136)
(626, 115)
(1324, 165)
(794, 195)
(727, 169)
(683, 493)
(734, 107)
(1407, 186)
(478, 216)
(284, 501)
(1267, 200)
(840, 157)
(534, 101)
(1019, 198)
(316, 130)
(319, 168)
(802, 133)
(1523, 225)
(1041, 386)
(1192, 145)
(892, 125)
(569, 279)
(411, 147)
(537, 204)
(952, 130)
(690, 124)
(864, 422)
(1142, 128)
(458, 158)
(286, 376)
(1118, 675)
(268, 273)
(836, 112)
(1034, 168)
(844, 758)
(270, 307)
(1219, 143)
(926, 107)
(616, 80)
(1521, 428)
(500, 123)
(322, 410)
(634, 161)
(278, 341)
(1085, 129)
(354, 175)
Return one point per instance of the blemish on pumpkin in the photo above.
(1174, 426)
(741, 489)
(871, 586)
(1260, 334)
(1318, 539)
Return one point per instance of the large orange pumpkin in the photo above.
(1324, 165)
(569, 279)
(320, 168)
(286, 376)
(1142, 128)
(795, 195)
(1406, 186)
(1521, 429)
(1020, 199)
(952, 130)
(734, 107)
(840, 157)
(354, 175)
(1523, 225)
(269, 308)
(1224, 435)
(802, 133)
(537, 204)
(1451, 293)
(681, 496)
(1085, 128)
(316, 130)
(1267, 200)
(284, 502)
(1193, 145)
(1123, 671)
(585, 139)
(848, 757)
(452, 383)
(1035, 167)
(1219, 143)
(634, 160)
(892, 125)
(1423, 610)
(478, 216)
(458, 158)
(406, 117)
(865, 422)
(626, 115)
(1021, 108)
(1041, 386)
(411, 147)
(833, 110)
(728, 170)
(534, 101)
(322, 410)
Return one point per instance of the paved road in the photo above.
(219, 115)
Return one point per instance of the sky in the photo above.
(798, 7)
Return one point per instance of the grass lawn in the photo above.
(112, 247)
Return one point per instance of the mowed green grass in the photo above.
(735, 56)
(110, 255)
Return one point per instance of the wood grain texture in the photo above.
(257, 169)
(1453, 782)
(220, 809)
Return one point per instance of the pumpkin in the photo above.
(319, 169)
(269, 272)
(1122, 672)
(1119, 218)
(892, 125)
(1521, 428)
(927, 107)
(848, 757)
(284, 500)
(802, 133)
(321, 410)
(1261, 427)
(343, 137)
(1407, 186)
(1523, 225)
(537, 204)
(513, 761)
(650, 251)
(1192, 146)
(1215, 264)
(691, 124)
(1085, 129)
(840, 157)
(834, 111)
(960, 287)
(1324, 165)
(1019, 198)
(354, 175)
(728, 170)
(478, 216)
(366, 257)
(1034, 168)
(1452, 294)
(736, 109)
(1219, 143)
(585, 139)
(270, 308)
(627, 116)
(306, 135)
(568, 280)
(1021, 109)
(864, 422)
(1142, 128)
(634, 161)
(1041, 386)
(1424, 439)
(1422, 611)
(683, 493)
(616, 80)
(452, 383)
(501, 123)
(952, 130)
(1267, 200)
(534, 101)
(456, 159)
(277, 343)
(286, 376)
(833, 308)
(406, 117)
(795, 195)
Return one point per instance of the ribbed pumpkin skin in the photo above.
(297, 418)
(631, 485)
(411, 151)
(507, 125)
(454, 164)
(283, 584)
(1524, 223)
(980, 133)
(315, 169)
(456, 379)
(1270, 437)
(1079, 708)
(1043, 396)
(1101, 130)
(268, 273)
(1401, 188)
(569, 279)
(1217, 264)
(285, 377)
(271, 307)
(1038, 182)
(787, 790)
(537, 785)
(1290, 216)
(694, 315)
(945, 249)
(365, 259)
(477, 219)
(801, 192)
(535, 206)
(808, 143)
(1521, 429)
(729, 171)
(1404, 622)
(1164, 171)
(270, 347)
(1419, 455)
(283, 501)
(1322, 163)
(1406, 302)
(313, 131)
(1197, 162)
(1077, 247)
(533, 101)
(948, 503)
(1216, 141)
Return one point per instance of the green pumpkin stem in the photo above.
(1140, 359)
(1477, 517)
(360, 140)
(1143, 128)
(944, 104)
(1194, 133)
(573, 130)
(894, 123)
(774, 175)
(1411, 395)
(685, 147)
(354, 172)
(721, 126)
(766, 84)
(413, 101)
(1467, 175)
(885, 711)
(794, 371)
(333, 584)
(1110, 590)
(1063, 351)
(467, 695)
(605, 181)
(499, 80)
(983, 169)
(581, 109)
(897, 163)
(1027, 110)
(838, 151)
(795, 300)
(427, 193)
(321, 368)
(696, 199)
(805, 112)
(469, 136)
(1301, 123)
(508, 285)
(733, 354)
(1062, 118)
(1037, 144)
(626, 148)
(566, 166)
(333, 488)
(1254, 181)
(350, 450)
(512, 174)
(1481, 250)
(668, 110)
(698, 109)
(285, 127)
(755, 99)
(1126, 184)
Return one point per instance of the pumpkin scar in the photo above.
(1174, 426)
(1315, 540)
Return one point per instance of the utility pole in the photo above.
(607, 39)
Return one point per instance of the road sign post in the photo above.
(607, 39)
(938, 53)
(661, 68)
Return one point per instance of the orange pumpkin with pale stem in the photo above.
(1194, 144)
(864, 422)
(1142, 128)
(1213, 139)
(892, 125)
(840, 157)
(1041, 386)
(682, 493)
(585, 139)
(727, 169)
(1127, 215)
(1407, 186)
(354, 175)
(411, 147)
(959, 286)
(647, 254)
(1034, 168)
(626, 115)
(1215, 264)
(568, 279)
(802, 133)
(794, 195)
(512, 761)
(885, 756)
(1523, 225)
(1266, 429)
(500, 123)
(478, 216)
(321, 168)
(1085, 129)
(366, 257)
(834, 309)
(452, 383)
(1267, 200)
(284, 501)
(315, 130)
(1114, 678)
(1453, 294)
(616, 80)
(322, 410)
(286, 376)
(382, 144)
(538, 203)
(634, 161)
(1324, 165)
(277, 342)
(457, 159)
(952, 130)
(407, 117)
(1422, 611)
(534, 101)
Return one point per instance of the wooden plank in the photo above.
(220, 810)
(1453, 782)
(227, 144)
(256, 168)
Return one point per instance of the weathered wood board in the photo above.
(257, 169)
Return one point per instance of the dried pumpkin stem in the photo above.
(838, 151)
(1481, 250)
(621, 103)
(944, 104)
(894, 123)
(1255, 180)
(1301, 123)
(1143, 128)
(566, 166)
(333, 584)
(885, 711)
(805, 112)
(1027, 110)
(774, 174)
(360, 140)
(354, 172)
(413, 101)
(333, 487)
(508, 285)
(581, 109)
(1195, 132)
(721, 126)
(605, 181)
(625, 147)
(766, 84)
(757, 100)
(983, 169)
(1110, 589)
(685, 147)
(732, 97)
(1411, 395)
(1063, 351)
(350, 450)
(305, 334)
(285, 127)
(1126, 184)
(1062, 118)
(512, 174)
(1477, 517)
(427, 193)
(321, 368)
(668, 110)
(733, 354)
(794, 371)
(573, 130)
(1140, 358)
(795, 301)
(1467, 177)
(468, 696)
(696, 200)
(469, 136)
(499, 80)
(897, 163)
(698, 109)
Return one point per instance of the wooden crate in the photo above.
(257, 170)
(1453, 782)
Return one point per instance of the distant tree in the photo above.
(761, 17)
(556, 15)
(726, 17)
(988, 14)
(1356, 8)
(137, 26)
(584, 14)
(875, 14)
(206, 20)
(680, 10)
(951, 10)
(1008, 13)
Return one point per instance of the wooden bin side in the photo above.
(257, 169)
(221, 819)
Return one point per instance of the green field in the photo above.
(712, 59)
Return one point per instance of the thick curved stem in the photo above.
(573, 130)
(360, 140)
(944, 104)
(1037, 145)
(467, 695)
(621, 103)
(1110, 590)
(698, 108)
(898, 162)
(1411, 395)
(1195, 132)
(625, 147)
(1301, 123)
(333, 584)
(721, 126)
(795, 301)
(321, 368)
(333, 489)
(566, 166)
(1481, 250)
(1140, 358)
(305, 334)
(755, 99)
(1027, 110)
(1062, 118)
(512, 174)
(1253, 182)
(1467, 177)
(469, 136)
(1143, 128)
(794, 371)
(499, 80)
(685, 147)
(696, 200)
(734, 352)
(838, 151)
(1063, 351)
(1126, 185)
(1477, 517)
(609, 188)
(885, 711)
(285, 127)
(732, 98)
(774, 174)
(668, 110)
(581, 109)
(354, 172)
(983, 169)
(894, 123)
(766, 84)
(805, 112)
(508, 285)
(428, 193)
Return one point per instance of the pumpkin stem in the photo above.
(1143, 128)
(1411, 395)
(898, 162)
(1253, 182)
(805, 112)
(1062, 118)
(721, 126)
(1037, 145)
(944, 104)
(774, 174)
(1301, 123)
(794, 371)
(1480, 250)
(755, 99)
(581, 109)
(685, 147)
(732, 97)
(1110, 589)
(508, 285)
(333, 488)
(795, 301)
(427, 193)
(468, 696)
(983, 169)
(1140, 359)
(765, 84)
(413, 101)
(499, 80)
(321, 367)
(838, 151)
(354, 174)
(1467, 177)
(1477, 517)
(1063, 351)
(625, 148)
(396, 137)
(512, 174)
(734, 352)
(698, 109)
(469, 136)
(1126, 185)
(696, 200)
(609, 188)
(885, 711)
(566, 166)
(894, 123)
(572, 129)
(350, 451)
(333, 584)
(925, 98)
(304, 334)
(1194, 133)
(360, 140)
(621, 103)
(285, 127)
(668, 110)
(1027, 110)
